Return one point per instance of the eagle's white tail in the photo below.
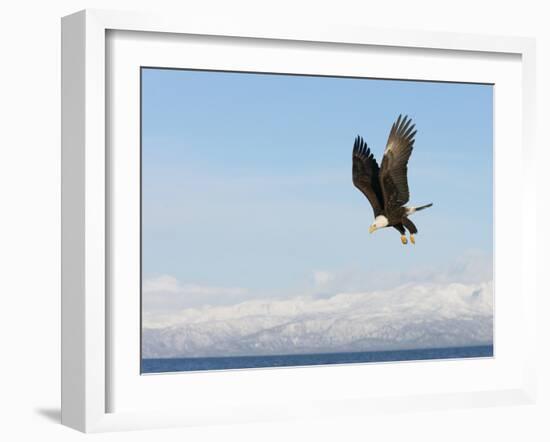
(411, 210)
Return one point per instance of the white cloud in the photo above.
(161, 284)
(471, 267)
(165, 294)
(169, 284)
(322, 278)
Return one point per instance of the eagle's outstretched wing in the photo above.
(393, 171)
(365, 174)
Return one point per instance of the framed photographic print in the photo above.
(268, 223)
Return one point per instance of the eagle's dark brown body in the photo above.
(386, 187)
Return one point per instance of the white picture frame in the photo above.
(87, 356)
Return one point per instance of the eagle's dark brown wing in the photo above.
(365, 174)
(393, 171)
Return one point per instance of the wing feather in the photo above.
(365, 173)
(393, 171)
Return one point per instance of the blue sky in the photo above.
(247, 180)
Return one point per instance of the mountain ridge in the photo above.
(410, 316)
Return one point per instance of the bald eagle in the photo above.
(386, 187)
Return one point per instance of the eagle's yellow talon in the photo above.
(412, 239)
(404, 239)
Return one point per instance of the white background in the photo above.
(30, 221)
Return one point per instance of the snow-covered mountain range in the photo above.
(410, 316)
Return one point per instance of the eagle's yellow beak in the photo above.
(372, 228)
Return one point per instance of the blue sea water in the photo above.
(236, 362)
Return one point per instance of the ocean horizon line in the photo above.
(261, 355)
(213, 363)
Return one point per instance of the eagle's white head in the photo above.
(379, 222)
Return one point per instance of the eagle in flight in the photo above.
(386, 187)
